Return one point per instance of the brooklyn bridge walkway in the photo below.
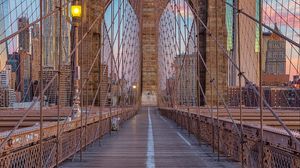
(149, 140)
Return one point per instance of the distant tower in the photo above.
(35, 58)
(51, 35)
(276, 54)
(14, 60)
(25, 76)
(274, 59)
(3, 49)
(24, 35)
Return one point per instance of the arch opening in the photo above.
(177, 55)
(120, 57)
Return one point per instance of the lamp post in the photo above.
(76, 15)
(134, 86)
(134, 94)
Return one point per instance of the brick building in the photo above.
(185, 71)
(275, 96)
(7, 97)
(275, 62)
(25, 86)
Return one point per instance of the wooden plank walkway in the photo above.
(149, 140)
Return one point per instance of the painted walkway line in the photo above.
(150, 144)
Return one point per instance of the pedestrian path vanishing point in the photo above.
(149, 140)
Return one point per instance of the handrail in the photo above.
(274, 136)
(27, 136)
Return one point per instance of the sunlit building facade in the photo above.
(275, 62)
(3, 47)
(51, 35)
(248, 43)
(10, 12)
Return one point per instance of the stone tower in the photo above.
(149, 12)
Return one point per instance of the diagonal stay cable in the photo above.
(25, 114)
(84, 83)
(31, 24)
(256, 91)
(264, 25)
(214, 84)
(54, 77)
(94, 99)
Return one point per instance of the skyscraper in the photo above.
(274, 59)
(13, 10)
(5, 76)
(14, 60)
(24, 35)
(248, 44)
(276, 54)
(35, 52)
(51, 93)
(25, 76)
(3, 48)
(51, 35)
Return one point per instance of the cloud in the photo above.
(286, 15)
(181, 8)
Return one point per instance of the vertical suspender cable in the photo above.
(58, 81)
(260, 86)
(185, 66)
(198, 76)
(100, 81)
(119, 84)
(122, 46)
(191, 59)
(212, 108)
(179, 52)
(178, 100)
(86, 107)
(111, 64)
(41, 85)
(80, 76)
(122, 54)
(217, 79)
(85, 47)
(237, 50)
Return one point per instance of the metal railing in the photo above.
(279, 150)
(22, 150)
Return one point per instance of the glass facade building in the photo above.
(12, 10)
(3, 47)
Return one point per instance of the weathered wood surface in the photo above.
(128, 147)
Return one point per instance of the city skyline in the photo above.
(184, 79)
(271, 19)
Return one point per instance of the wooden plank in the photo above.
(129, 146)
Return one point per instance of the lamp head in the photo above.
(76, 11)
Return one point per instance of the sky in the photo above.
(287, 17)
(3, 51)
(10, 10)
(121, 29)
(286, 14)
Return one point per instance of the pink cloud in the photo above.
(282, 17)
(181, 8)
